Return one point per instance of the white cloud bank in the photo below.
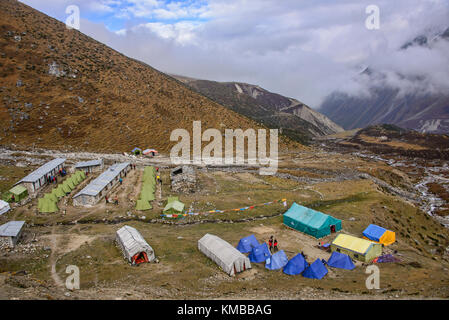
(302, 49)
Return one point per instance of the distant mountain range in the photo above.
(421, 112)
(294, 118)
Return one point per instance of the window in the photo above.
(356, 255)
(338, 249)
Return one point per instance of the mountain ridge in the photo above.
(424, 112)
(295, 119)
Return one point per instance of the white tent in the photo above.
(223, 254)
(133, 245)
(4, 207)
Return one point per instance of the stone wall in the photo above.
(183, 179)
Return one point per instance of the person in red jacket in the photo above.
(270, 243)
(275, 245)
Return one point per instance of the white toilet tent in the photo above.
(4, 207)
(134, 247)
(223, 254)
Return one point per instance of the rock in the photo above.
(352, 219)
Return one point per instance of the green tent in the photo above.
(309, 221)
(45, 205)
(143, 205)
(81, 174)
(174, 207)
(147, 196)
(75, 179)
(70, 183)
(147, 188)
(51, 196)
(66, 188)
(19, 192)
(171, 199)
(59, 191)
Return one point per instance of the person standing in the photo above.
(270, 244)
(106, 198)
(275, 248)
(116, 200)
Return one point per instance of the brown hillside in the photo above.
(62, 89)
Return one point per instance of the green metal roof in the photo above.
(18, 190)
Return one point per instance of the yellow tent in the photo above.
(356, 248)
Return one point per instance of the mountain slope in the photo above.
(61, 88)
(297, 120)
(422, 112)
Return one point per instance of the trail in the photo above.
(53, 259)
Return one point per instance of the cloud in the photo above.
(301, 49)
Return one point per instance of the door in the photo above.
(333, 228)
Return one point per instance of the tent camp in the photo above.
(276, 261)
(224, 254)
(356, 248)
(134, 247)
(316, 270)
(4, 207)
(296, 265)
(247, 244)
(379, 235)
(19, 192)
(174, 207)
(46, 205)
(260, 253)
(341, 261)
(311, 222)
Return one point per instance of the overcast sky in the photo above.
(298, 48)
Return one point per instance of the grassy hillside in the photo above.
(61, 88)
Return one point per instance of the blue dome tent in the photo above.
(260, 253)
(340, 260)
(247, 244)
(277, 261)
(316, 270)
(296, 265)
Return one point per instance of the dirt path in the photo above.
(53, 259)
